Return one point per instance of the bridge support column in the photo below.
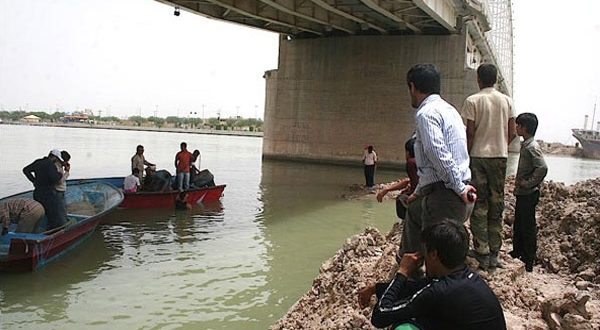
(331, 96)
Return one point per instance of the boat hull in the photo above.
(590, 142)
(29, 254)
(146, 199)
(20, 252)
(143, 200)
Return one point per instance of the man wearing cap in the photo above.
(45, 176)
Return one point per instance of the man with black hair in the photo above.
(451, 297)
(490, 120)
(531, 172)
(406, 185)
(441, 155)
(183, 161)
(138, 161)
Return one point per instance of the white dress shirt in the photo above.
(441, 145)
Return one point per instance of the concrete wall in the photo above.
(331, 96)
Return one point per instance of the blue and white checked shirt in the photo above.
(441, 145)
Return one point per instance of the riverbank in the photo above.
(561, 293)
(141, 128)
(560, 149)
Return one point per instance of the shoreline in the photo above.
(563, 291)
(140, 128)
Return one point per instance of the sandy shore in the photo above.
(563, 291)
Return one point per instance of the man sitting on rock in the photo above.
(450, 297)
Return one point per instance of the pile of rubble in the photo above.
(561, 293)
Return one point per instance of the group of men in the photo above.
(48, 175)
(461, 159)
(185, 165)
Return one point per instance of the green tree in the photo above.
(17, 115)
(158, 122)
(214, 122)
(194, 122)
(57, 116)
(138, 120)
(110, 119)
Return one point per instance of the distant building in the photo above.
(31, 119)
(76, 118)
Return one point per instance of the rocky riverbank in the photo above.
(563, 291)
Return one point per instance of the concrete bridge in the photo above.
(340, 82)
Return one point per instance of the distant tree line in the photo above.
(181, 122)
(17, 115)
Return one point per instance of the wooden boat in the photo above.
(166, 199)
(86, 203)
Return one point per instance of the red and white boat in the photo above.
(160, 199)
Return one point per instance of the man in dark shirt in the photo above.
(451, 297)
(44, 175)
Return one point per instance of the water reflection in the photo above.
(238, 264)
(39, 298)
(306, 221)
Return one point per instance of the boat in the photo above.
(162, 199)
(589, 138)
(86, 203)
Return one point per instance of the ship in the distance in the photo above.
(589, 138)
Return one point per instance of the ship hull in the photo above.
(591, 148)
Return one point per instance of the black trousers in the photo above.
(525, 227)
(370, 175)
(54, 206)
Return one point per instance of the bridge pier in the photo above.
(331, 96)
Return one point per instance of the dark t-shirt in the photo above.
(45, 174)
(461, 300)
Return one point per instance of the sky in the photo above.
(134, 57)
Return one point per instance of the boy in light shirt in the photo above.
(131, 183)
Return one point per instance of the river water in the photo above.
(238, 264)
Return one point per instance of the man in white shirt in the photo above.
(490, 119)
(442, 159)
(370, 161)
(131, 183)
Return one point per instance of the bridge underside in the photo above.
(340, 82)
(330, 97)
(318, 18)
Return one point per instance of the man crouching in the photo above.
(450, 297)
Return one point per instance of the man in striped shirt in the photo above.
(25, 213)
(442, 159)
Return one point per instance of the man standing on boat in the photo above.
(45, 176)
(490, 119)
(183, 161)
(138, 161)
(64, 168)
(442, 159)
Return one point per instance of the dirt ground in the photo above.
(561, 293)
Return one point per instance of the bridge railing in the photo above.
(500, 37)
